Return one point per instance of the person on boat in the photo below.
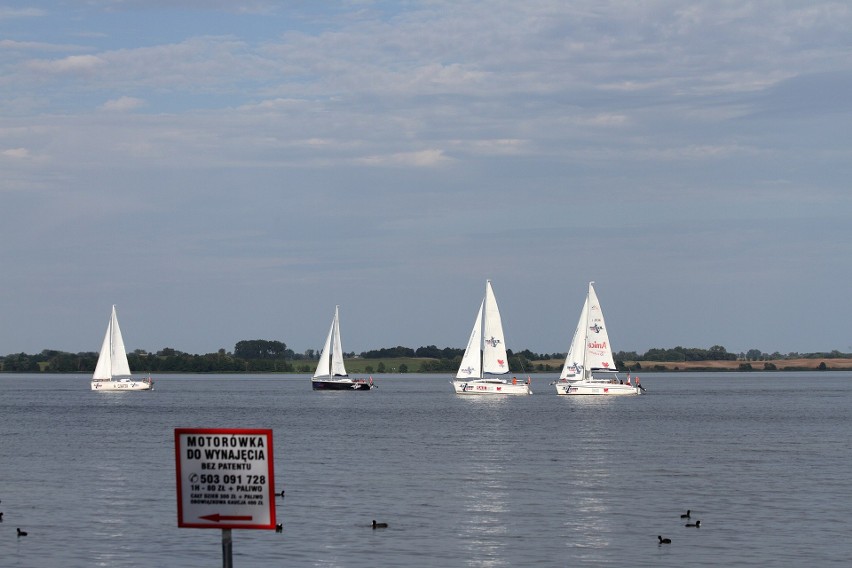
(514, 380)
(628, 379)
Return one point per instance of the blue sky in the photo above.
(227, 170)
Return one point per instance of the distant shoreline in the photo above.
(359, 366)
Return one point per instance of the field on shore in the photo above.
(413, 365)
(801, 364)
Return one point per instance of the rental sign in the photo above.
(224, 478)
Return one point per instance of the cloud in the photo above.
(7, 13)
(122, 104)
(424, 158)
(495, 147)
(9, 44)
(275, 105)
(16, 153)
(70, 64)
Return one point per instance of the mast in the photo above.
(587, 374)
(482, 328)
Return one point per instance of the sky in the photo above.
(223, 170)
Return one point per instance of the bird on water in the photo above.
(379, 525)
(686, 516)
(696, 524)
(21, 533)
(664, 540)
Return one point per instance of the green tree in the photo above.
(754, 354)
(260, 349)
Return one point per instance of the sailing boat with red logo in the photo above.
(589, 367)
(485, 359)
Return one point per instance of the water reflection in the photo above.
(589, 476)
(483, 482)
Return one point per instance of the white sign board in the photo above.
(225, 478)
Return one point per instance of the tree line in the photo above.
(265, 356)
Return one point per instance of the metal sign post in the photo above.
(227, 550)
(225, 480)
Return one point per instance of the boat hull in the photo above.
(596, 388)
(479, 387)
(123, 385)
(341, 385)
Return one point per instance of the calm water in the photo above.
(763, 460)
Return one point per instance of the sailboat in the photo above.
(589, 367)
(485, 360)
(331, 373)
(112, 373)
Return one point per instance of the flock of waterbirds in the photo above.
(687, 516)
(279, 527)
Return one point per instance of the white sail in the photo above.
(337, 367)
(331, 358)
(591, 353)
(494, 359)
(471, 364)
(598, 348)
(575, 360)
(486, 354)
(112, 361)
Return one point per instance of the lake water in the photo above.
(763, 460)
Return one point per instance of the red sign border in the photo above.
(270, 475)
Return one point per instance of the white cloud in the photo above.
(495, 147)
(424, 158)
(9, 44)
(275, 105)
(122, 104)
(17, 153)
(70, 64)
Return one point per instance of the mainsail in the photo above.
(331, 358)
(598, 348)
(494, 359)
(112, 361)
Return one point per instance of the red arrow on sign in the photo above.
(216, 517)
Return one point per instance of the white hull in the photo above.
(596, 388)
(490, 386)
(123, 385)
